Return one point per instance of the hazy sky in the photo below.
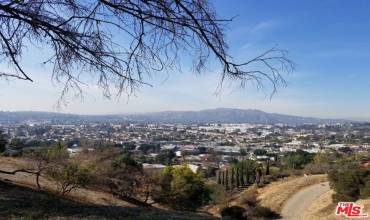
(328, 40)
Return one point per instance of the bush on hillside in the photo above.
(298, 159)
(181, 188)
(68, 177)
(349, 183)
(234, 212)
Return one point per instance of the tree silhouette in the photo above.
(121, 42)
(3, 142)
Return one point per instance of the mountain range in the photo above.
(227, 115)
(219, 115)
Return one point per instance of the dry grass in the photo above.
(277, 193)
(19, 199)
(241, 199)
(18, 202)
(24, 179)
(271, 196)
(321, 208)
(366, 204)
(324, 209)
(245, 198)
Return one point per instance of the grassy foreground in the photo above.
(18, 202)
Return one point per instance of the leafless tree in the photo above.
(122, 41)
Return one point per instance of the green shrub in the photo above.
(182, 189)
(349, 183)
(69, 177)
(297, 160)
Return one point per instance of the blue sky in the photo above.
(329, 41)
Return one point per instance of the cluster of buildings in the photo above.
(197, 144)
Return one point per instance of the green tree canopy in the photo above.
(165, 157)
(297, 160)
(182, 189)
(260, 152)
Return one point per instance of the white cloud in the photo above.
(264, 26)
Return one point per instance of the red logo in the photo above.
(350, 209)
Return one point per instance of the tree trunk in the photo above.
(232, 178)
(223, 178)
(242, 176)
(38, 180)
(219, 177)
(237, 177)
(227, 179)
(16, 171)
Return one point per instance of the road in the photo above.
(295, 206)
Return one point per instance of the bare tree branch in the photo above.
(121, 43)
(17, 171)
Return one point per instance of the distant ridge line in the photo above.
(217, 115)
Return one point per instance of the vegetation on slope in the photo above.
(18, 201)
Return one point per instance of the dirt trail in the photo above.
(294, 208)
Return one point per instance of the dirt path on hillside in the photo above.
(294, 208)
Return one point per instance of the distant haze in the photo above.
(219, 115)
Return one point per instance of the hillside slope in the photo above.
(23, 202)
(19, 199)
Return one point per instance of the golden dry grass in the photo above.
(93, 196)
(240, 199)
(271, 196)
(18, 202)
(277, 193)
(366, 204)
(324, 209)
